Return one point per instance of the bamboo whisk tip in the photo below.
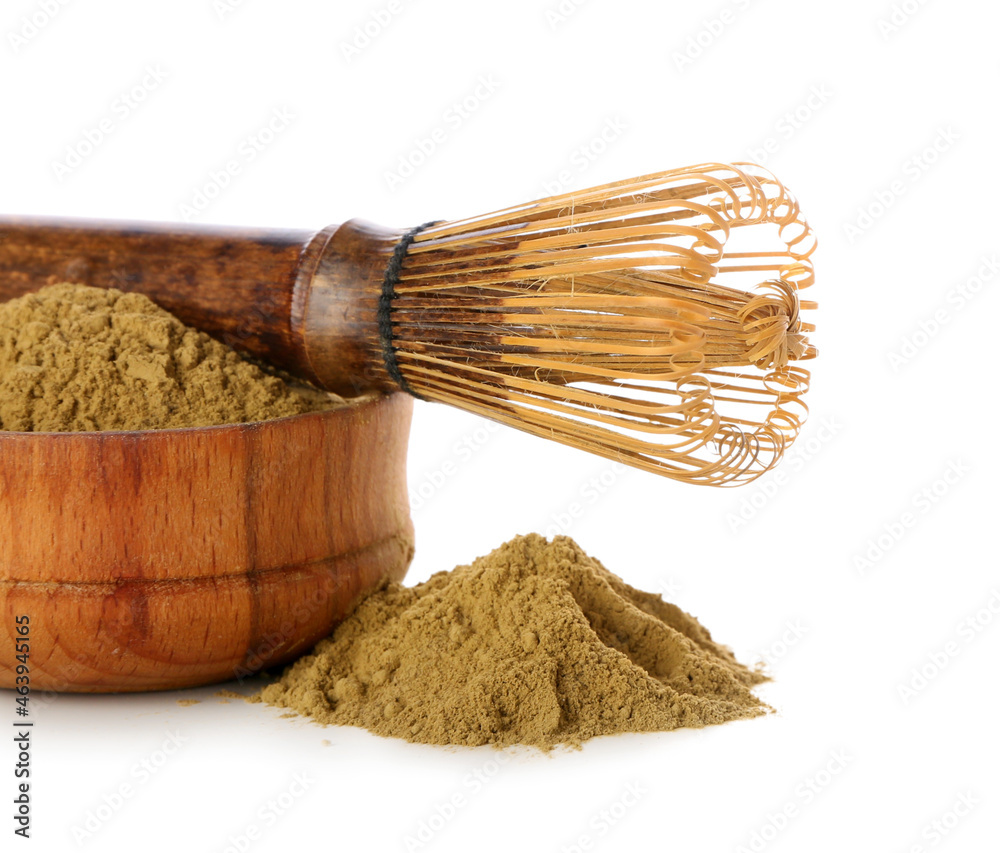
(655, 321)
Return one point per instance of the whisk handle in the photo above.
(304, 301)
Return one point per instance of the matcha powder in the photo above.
(535, 643)
(76, 358)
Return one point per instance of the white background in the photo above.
(896, 405)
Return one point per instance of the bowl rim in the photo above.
(354, 405)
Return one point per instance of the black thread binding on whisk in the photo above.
(392, 271)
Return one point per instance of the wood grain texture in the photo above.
(236, 284)
(304, 301)
(339, 324)
(165, 559)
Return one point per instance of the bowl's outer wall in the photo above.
(158, 560)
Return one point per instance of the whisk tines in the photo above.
(654, 321)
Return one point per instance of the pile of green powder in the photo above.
(535, 643)
(76, 358)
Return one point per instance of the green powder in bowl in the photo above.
(76, 358)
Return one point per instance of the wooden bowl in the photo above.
(161, 559)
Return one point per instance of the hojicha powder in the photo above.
(76, 358)
(535, 643)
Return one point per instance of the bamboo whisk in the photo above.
(653, 321)
(632, 320)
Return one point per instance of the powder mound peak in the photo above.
(75, 358)
(535, 643)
